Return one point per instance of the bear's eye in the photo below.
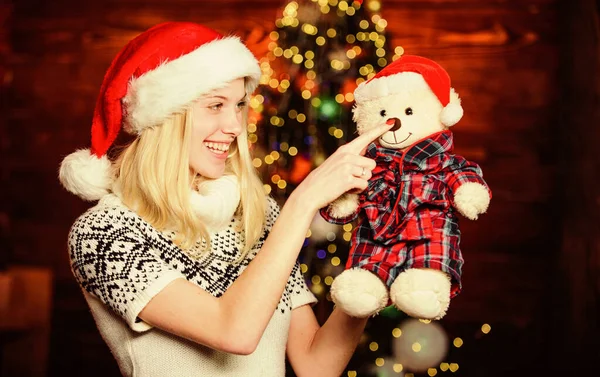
(382, 113)
(408, 111)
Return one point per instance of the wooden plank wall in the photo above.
(503, 57)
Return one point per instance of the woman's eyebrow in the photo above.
(224, 98)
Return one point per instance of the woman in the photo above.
(188, 268)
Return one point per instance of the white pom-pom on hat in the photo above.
(453, 111)
(84, 174)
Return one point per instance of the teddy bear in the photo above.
(404, 249)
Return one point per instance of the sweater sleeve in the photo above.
(298, 290)
(111, 260)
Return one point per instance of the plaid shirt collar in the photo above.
(416, 156)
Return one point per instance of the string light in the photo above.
(416, 347)
(373, 346)
(458, 342)
(335, 261)
(374, 5)
(432, 372)
(297, 59)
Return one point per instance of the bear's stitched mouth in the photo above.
(397, 142)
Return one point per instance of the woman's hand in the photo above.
(345, 170)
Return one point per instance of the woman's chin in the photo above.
(212, 172)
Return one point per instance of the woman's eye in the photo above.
(241, 104)
(382, 113)
(408, 111)
(216, 106)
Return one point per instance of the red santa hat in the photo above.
(414, 72)
(153, 77)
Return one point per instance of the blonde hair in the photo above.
(153, 177)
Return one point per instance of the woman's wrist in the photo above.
(301, 204)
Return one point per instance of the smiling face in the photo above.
(217, 121)
(415, 113)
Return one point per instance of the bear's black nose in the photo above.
(396, 122)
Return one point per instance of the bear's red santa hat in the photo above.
(414, 72)
(156, 75)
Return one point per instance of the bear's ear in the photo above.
(453, 111)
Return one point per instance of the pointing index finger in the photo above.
(360, 144)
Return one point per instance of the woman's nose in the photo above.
(233, 124)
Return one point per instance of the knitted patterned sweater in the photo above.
(121, 262)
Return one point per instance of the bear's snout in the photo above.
(396, 122)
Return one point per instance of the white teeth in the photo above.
(217, 147)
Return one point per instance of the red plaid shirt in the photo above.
(406, 216)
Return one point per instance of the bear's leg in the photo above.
(422, 293)
(359, 293)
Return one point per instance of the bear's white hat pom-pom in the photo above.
(86, 175)
(453, 111)
(451, 114)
